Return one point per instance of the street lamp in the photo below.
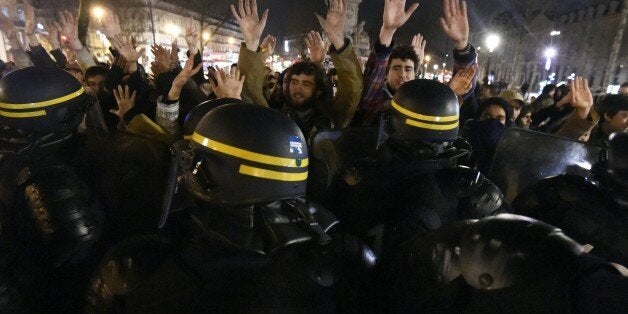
(426, 64)
(549, 54)
(173, 30)
(206, 36)
(98, 12)
(492, 41)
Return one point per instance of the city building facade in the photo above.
(552, 48)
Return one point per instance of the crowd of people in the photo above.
(359, 189)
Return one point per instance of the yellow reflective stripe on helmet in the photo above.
(422, 117)
(42, 104)
(248, 155)
(272, 175)
(431, 126)
(22, 114)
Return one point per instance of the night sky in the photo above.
(289, 17)
(296, 16)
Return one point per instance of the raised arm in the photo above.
(346, 62)
(455, 24)
(251, 60)
(584, 118)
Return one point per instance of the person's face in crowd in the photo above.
(95, 82)
(623, 90)
(516, 108)
(532, 99)
(400, 72)
(494, 112)
(619, 122)
(551, 92)
(585, 137)
(526, 120)
(301, 88)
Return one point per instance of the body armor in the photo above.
(275, 257)
(409, 190)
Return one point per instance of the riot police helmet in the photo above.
(507, 250)
(41, 100)
(423, 110)
(246, 154)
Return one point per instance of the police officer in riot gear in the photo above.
(414, 182)
(505, 264)
(48, 213)
(250, 242)
(591, 213)
(518, 264)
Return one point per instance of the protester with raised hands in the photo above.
(307, 94)
(387, 68)
(37, 53)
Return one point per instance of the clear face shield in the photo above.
(94, 120)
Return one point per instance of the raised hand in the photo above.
(68, 27)
(418, 44)
(110, 23)
(53, 36)
(191, 36)
(123, 44)
(462, 82)
(395, 15)
(186, 73)
(125, 47)
(7, 26)
(229, 86)
(318, 48)
(250, 23)
(334, 23)
(29, 23)
(268, 46)
(125, 100)
(455, 23)
(580, 96)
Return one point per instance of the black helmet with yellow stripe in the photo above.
(423, 110)
(37, 101)
(247, 154)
